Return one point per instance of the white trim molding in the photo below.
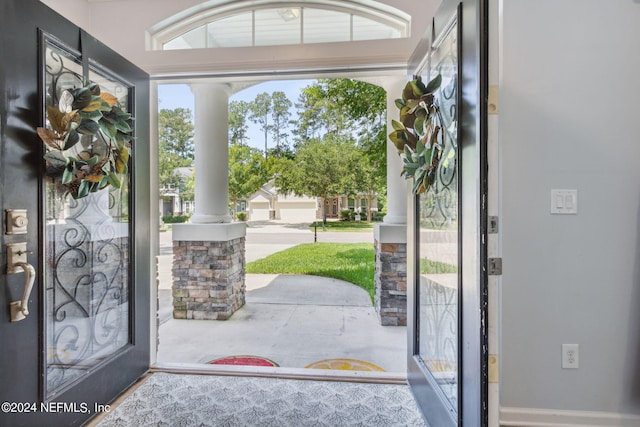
(533, 417)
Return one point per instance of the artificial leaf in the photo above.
(434, 84)
(104, 182)
(65, 105)
(94, 105)
(71, 139)
(108, 98)
(56, 118)
(123, 126)
(94, 177)
(399, 103)
(90, 115)
(50, 138)
(88, 127)
(81, 98)
(113, 180)
(397, 125)
(94, 88)
(56, 159)
(83, 190)
(93, 161)
(67, 176)
(121, 160)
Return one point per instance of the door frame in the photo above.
(473, 352)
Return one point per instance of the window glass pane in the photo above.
(326, 26)
(230, 32)
(87, 248)
(193, 39)
(277, 26)
(368, 29)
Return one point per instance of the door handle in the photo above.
(20, 309)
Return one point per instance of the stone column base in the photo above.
(391, 274)
(208, 274)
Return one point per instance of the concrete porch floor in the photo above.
(293, 320)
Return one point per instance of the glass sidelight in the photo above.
(87, 247)
(438, 238)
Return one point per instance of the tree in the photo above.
(176, 148)
(280, 112)
(321, 168)
(260, 109)
(247, 172)
(238, 126)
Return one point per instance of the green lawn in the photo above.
(344, 226)
(353, 262)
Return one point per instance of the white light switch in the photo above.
(564, 202)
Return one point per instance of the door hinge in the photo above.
(494, 266)
(492, 226)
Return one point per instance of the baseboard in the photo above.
(531, 417)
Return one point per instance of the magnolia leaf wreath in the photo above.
(418, 136)
(88, 142)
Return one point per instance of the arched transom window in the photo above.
(265, 23)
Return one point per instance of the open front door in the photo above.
(447, 299)
(82, 335)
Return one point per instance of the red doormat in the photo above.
(243, 360)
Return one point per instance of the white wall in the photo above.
(570, 119)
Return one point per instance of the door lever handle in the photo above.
(20, 309)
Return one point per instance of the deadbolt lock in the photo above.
(17, 221)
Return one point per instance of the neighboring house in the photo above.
(171, 201)
(267, 204)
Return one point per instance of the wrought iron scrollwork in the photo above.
(87, 260)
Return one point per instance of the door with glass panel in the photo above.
(81, 336)
(446, 275)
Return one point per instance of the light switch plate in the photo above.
(564, 202)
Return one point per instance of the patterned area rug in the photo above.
(244, 360)
(171, 400)
(344, 364)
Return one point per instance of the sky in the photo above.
(173, 96)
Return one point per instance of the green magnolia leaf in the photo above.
(114, 180)
(81, 98)
(108, 128)
(123, 126)
(67, 176)
(88, 127)
(94, 88)
(71, 139)
(56, 159)
(93, 161)
(397, 125)
(399, 103)
(104, 182)
(90, 115)
(434, 84)
(84, 188)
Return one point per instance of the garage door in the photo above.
(258, 211)
(297, 211)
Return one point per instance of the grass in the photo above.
(428, 266)
(353, 262)
(344, 226)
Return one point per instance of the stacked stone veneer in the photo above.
(391, 283)
(208, 279)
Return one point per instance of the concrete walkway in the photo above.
(293, 320)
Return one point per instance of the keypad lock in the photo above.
(17, 221)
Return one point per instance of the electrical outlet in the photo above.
(570, 356)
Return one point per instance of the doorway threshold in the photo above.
(372, 377)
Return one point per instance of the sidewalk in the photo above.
(293, 320)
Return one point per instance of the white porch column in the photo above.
(396, 184)
(211, 153)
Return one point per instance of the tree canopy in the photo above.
(176, 147)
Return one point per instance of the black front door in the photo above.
(447, 301)
(82, 335)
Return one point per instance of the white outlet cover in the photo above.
(570, 356)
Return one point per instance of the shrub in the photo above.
(175, 219)
(346, 215)
(242, 216)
